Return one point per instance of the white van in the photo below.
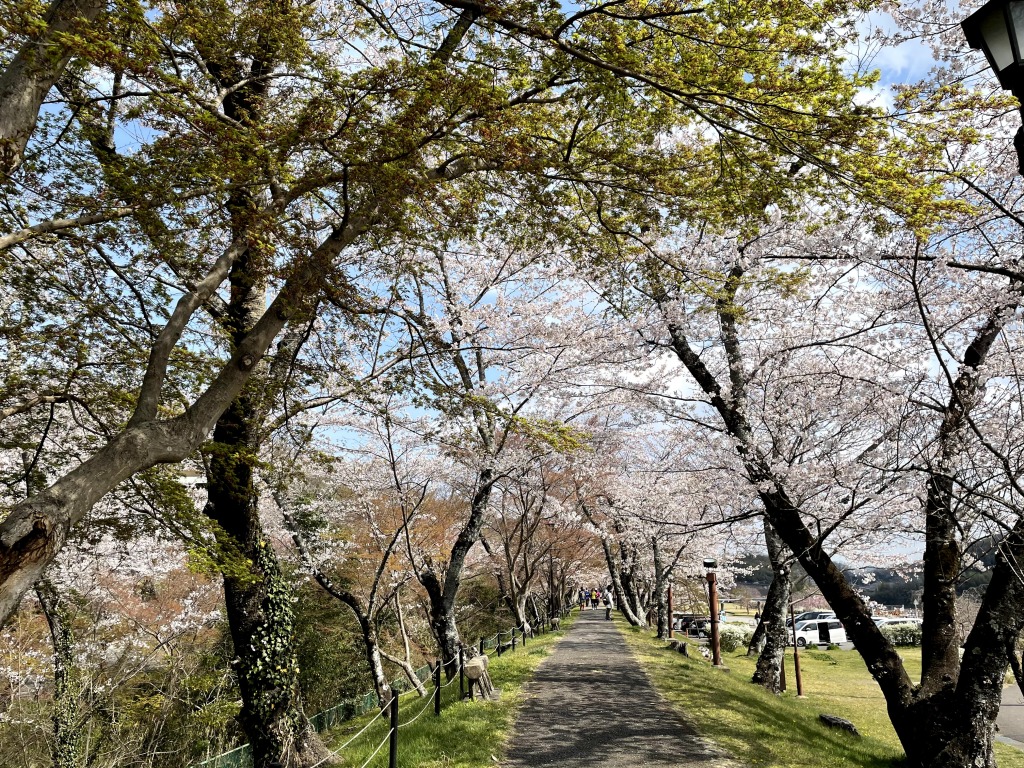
(819, 631)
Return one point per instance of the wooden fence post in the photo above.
(513, 638)
(437, 688)
(393, 737)
(462, 673)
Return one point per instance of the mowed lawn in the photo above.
(760, 729)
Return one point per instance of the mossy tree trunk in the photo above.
(67, 747)
(259, 605)
(768, 671)
(258, 600)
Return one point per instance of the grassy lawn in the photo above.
(760, 729)
(466, 734)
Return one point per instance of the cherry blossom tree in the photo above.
(830, 414)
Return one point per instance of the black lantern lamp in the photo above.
(997, 28)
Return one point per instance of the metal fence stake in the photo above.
(462, 672)
(393, 737)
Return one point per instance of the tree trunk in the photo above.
(442, 624)
(660, 590)
(258, 599)
(518, 606)
(954, 726)
(259, 608)
(373, 656)
(537, 616)
(443, 589)
(29, 76)
(620, 594)
(757, 639)
(943, 557)
(768, 672)
(940, 658)
(67, 747)
(962, 718)
(405, 663)
(629, 588)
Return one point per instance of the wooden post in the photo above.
(796, 657)
(462, 673)
(716, 647)
(498, 647)
(524, 635)
(481, 646)
(670, 611)
(513, 638)
(437, 688)
(393, 737)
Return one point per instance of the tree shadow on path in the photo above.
(590, 704)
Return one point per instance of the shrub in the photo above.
(729, 639)
(903, 634)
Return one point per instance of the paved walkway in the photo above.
(1011, 717)
(591, 705)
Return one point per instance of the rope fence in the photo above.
(379, 746)
(427, 703)
(335, 752)
(242, 757)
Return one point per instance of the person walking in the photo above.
(609, 603)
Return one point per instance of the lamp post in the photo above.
(997, 28)
(716, 646)
(670, 610)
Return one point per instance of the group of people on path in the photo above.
(592, 598)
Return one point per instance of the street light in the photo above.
(997, 28)
(716, 645)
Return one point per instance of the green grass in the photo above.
(760, 729)
(466, 734)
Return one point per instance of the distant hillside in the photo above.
(888, 586)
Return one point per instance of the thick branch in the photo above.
(33, 71)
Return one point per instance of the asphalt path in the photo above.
(1011, 717)
(590, 704)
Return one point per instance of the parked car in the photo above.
(822, 630)
(888, 621)
(808, 615)
(693, 625)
